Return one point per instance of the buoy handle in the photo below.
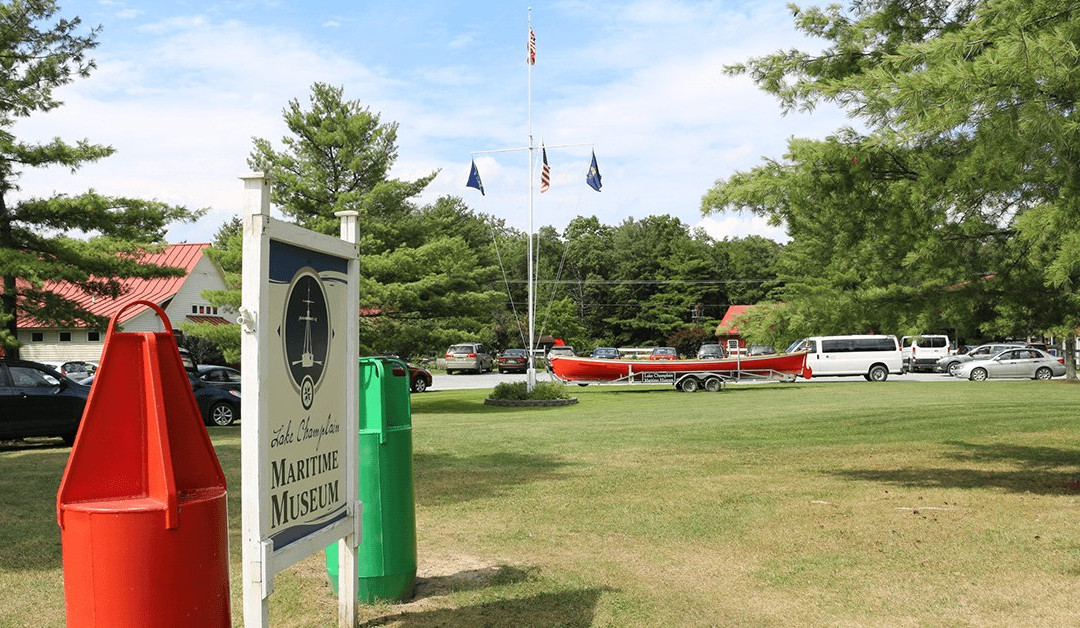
(160, 312)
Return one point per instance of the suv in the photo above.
(921, 353)
(468, 356)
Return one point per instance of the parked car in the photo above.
(664, 353)
(560, 351)
(513, 361)
(219, 376)
(1015, 362)
(218, 406)
(75, 370)
(710, 351)
(950, 363)
(921, 353)
(605, 353)
(36, 400)
(468, 356)
(419, 377)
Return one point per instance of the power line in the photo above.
(645, 282)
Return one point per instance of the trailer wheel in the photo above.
(689, 384)
(713, 384)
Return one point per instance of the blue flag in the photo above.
(474, 179)
(593, 178)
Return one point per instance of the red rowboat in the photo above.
(598, 370)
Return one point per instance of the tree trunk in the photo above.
(9, 301)
(1070, 356)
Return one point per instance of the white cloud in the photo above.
(463, 40)
(182, 107)
(740, 225)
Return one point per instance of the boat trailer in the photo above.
(692, 380)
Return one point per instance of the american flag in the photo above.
(545, 172)
(532, 47)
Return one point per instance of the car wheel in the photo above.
(690, 384)
(953, 368)
(419, 385)
(1043, 373)
(978, 375)
(878, 373)
(222, 414)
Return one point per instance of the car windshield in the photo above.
(514, 353)
(462, 349)
(664, 351)
(798, 345)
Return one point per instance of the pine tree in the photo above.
(39, 52)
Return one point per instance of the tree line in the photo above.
(951, 202)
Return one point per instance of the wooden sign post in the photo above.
(300, 345)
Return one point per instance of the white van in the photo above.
(872, 356)
(921, 353)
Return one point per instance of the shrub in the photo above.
(518, 391)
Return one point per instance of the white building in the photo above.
(180, 297)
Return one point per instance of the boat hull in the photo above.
(597, 370)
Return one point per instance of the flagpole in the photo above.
(531, 371)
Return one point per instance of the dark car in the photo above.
(36, 400)
(605, 353)
(513, 361)
(419, 377)
(218, 406)
(220, 376)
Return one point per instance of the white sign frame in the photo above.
(259, 324)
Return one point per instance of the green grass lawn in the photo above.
(805, 504)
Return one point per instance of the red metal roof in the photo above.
(728, 326)
(213, 320)
(156, 290)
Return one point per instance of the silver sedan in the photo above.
(1022, 362)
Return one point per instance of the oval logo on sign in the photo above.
(306, 333)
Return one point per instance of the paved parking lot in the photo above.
(441, 381)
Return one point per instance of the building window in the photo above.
(65, 336)
(194, 309)
(37, 336)
(93, 336)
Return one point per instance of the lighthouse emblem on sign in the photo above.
(306, 334)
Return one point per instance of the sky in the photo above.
(183, 86)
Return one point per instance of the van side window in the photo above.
(874, 344)
(836, 346)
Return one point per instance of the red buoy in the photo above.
(142, 504)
